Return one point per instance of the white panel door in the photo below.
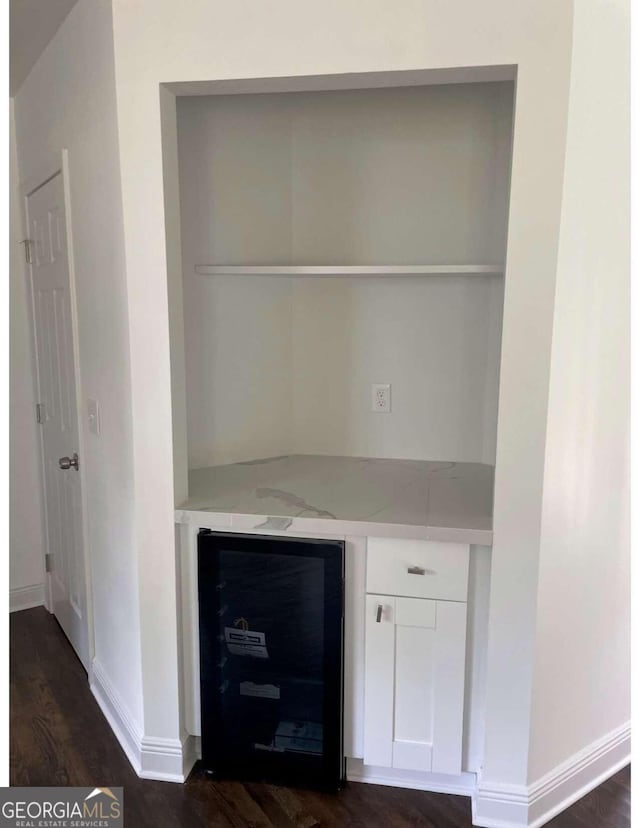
(414, 683)
(58, 411)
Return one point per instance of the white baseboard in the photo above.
(162, 759)
(151, 757)
(531, 806)
(116, 713)
(462, 785)
(22, 598)
(191, 752)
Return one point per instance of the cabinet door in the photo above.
(414, 683)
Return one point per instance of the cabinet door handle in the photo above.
(379, 613)
(416, 570)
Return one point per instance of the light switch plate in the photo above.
(93, 412)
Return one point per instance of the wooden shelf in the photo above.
(348, 270)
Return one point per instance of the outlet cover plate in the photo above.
(381, 397)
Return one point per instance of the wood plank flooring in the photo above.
(59, 737)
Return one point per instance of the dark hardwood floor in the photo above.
(59, 737)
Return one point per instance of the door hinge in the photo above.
(27, 249)
(40, 413)
(48, 562)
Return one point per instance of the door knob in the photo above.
(69, 462)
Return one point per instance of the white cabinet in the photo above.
(414, 679)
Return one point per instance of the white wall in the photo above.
(581, 685)
(401, 176)
(173, 240)
(409, 175)
(398, 176)
(277, 366)
(235, 179)
(238, 340)
(214, 41)
(235, 204)
(26, 537)
(68, 100)
(428, 337)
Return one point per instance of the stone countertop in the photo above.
(321, 494)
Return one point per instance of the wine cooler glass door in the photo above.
(271, 657)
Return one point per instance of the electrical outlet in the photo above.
(381, 398)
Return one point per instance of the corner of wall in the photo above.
(171, 182)
(162, 759)
(531, 806)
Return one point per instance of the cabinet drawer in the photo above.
(418, 569)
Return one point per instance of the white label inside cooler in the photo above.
(304, 737)
(246, 642)
(270, 748)
(261, 691)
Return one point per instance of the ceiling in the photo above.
(32, 25)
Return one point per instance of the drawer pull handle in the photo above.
(379, 613)
(416, 570)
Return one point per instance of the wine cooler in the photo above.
(271, 658)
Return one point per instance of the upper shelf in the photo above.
(348, 270)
